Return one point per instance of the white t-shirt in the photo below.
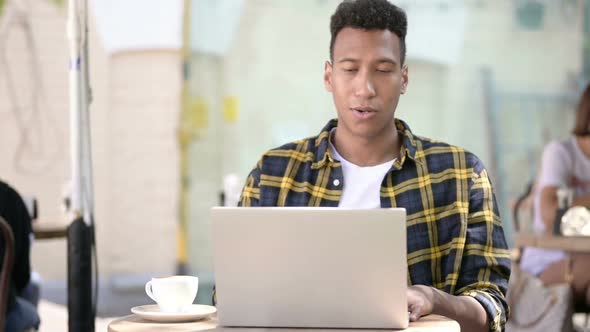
(561, 161)
(362, 185)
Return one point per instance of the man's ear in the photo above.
(404, 86)
(328, 76)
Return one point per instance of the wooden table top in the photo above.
(547, 241)
(133, 323)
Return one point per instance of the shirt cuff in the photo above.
(496, 313)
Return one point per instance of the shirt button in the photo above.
(336, 182)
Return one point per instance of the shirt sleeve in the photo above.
(250, 196)
(556, 164)
(485, 266)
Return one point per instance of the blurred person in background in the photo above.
(21, 315)
(458, 262)
(565, 164)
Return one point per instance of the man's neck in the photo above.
(364, 151)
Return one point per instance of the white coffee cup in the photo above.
(173, 294)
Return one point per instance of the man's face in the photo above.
(366, 79)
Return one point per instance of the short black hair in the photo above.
(370, 15)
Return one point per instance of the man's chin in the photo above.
(372, 130)
(368, 130)
(368, 135)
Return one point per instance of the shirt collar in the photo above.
(410, 145)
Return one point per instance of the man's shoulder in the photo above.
(303, 144)
(303, 150)
(435, 151)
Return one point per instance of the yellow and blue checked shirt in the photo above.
(454, 233)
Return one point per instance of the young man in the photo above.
(458, 260)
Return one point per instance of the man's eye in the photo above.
(350, 70)
(384, 70)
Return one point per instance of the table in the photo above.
(547, 241)
(133, 323)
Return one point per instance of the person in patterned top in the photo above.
(458, 260)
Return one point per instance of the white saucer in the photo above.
(195, 312)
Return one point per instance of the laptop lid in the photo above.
(310, 267)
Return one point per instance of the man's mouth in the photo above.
(364, 112)
(364, 109)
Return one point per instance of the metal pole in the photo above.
(75, 78)
(86, 98)
(81, 311)
(184, 138)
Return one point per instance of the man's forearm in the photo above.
(464, 309)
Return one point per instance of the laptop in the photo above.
(310, 267)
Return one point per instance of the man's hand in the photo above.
(420, 301)
(424, 300)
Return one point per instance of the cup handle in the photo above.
(148, 290)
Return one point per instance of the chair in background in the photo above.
(519, 206)
(6, 269)
(523, 205)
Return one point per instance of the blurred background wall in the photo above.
(134, 116)
(498, 77)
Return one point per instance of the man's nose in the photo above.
(364, 86)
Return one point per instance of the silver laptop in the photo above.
(310, 267)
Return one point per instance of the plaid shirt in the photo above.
(454, 233)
